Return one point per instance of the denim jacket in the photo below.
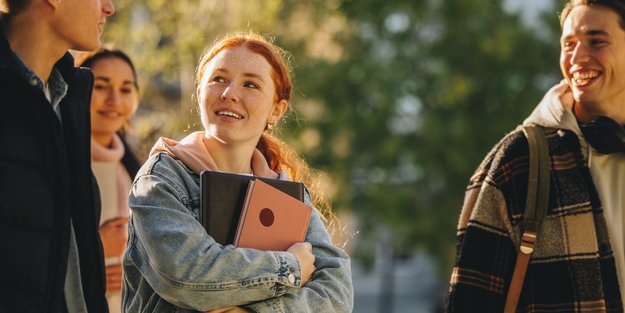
(172, 264)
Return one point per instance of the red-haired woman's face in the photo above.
(236, 97)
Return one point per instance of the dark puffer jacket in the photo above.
(46, 178)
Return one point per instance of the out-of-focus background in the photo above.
(396, 102)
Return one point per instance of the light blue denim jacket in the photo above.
(172, 265)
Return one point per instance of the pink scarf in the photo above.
(114, 154)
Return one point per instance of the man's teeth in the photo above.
(583, 78)
(231, 114)
(585, 75)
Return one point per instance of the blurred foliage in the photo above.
(395, 101)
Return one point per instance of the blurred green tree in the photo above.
(424, 89)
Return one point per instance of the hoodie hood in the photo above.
(190, 150)
(555, 110)
(193, 153)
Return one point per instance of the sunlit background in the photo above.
(396, 102)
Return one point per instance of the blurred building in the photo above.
(416, 287)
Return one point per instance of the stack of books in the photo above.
(253, 212)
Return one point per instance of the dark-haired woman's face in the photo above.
(115, 96)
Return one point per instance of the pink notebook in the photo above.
(271, 219)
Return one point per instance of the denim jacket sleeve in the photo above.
(188, 269)
(182, 263)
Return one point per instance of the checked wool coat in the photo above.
(572, 268)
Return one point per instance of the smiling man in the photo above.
(578, 264)
(52, 257)
(593, 62)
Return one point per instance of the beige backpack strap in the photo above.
(535, 209)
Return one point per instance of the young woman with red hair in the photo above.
(243, 90)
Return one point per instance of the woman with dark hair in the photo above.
(114, 100)
(172, 264)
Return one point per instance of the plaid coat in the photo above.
(572, 268)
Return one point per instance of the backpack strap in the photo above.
(535, 209)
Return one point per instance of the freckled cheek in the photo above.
(260, 100)
(206, 95)
(204, 104)
(203, 114)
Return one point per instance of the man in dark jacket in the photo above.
(578, 262)
(51, 255)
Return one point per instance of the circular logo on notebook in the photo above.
(266, 217)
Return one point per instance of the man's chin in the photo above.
(86, 47)
(583, 96)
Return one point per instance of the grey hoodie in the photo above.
(555, 110)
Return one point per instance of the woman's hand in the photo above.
(114, 278)
(260, 166)
(114, 234)
(303, 253)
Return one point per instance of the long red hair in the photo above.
(279, 155)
